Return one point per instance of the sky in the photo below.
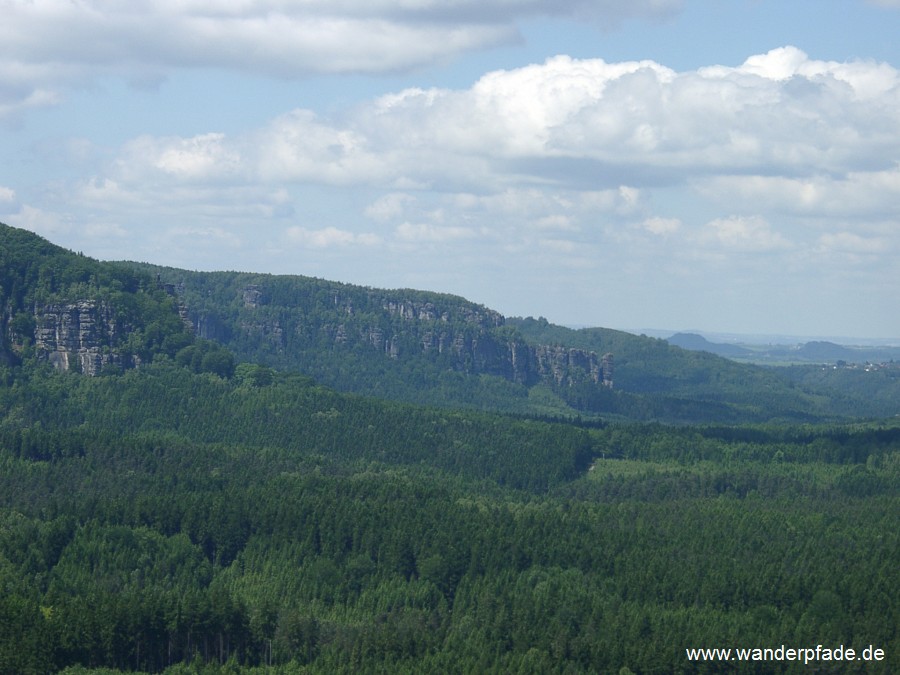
(728, 166)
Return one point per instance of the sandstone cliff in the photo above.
(82, 335)
(460, 335)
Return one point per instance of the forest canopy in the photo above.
(190, 510)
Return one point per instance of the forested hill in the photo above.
(407, 345)
(441, 349)
(401, 344)
(167, 521)
(87, 316)
(667, 377)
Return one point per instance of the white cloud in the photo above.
(41, 221)
(328, 237)
(857, 193)
(743, 235)
(20, 100)
(105, 230)
(852, 243)
(557, 221)
(546, 207)
(569, 120)
(298, 147)
(7, 195)
(559, 245)
(50, 46)
(430, 233)
(200, 158)
(389, 206)
(661, 226)
(610, 130)
(212, 236)
(108, 193)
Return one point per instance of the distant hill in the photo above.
(401, 344)
(438, 349)
(698, 343)
(814, 351)
(445, 350)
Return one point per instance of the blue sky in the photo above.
(722, 165)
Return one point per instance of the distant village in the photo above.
(866, 366)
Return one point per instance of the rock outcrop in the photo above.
(283, 318)
(464, 336)
(78, 336)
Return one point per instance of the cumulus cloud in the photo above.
(328, 237)
(50, 46)
(780, 126)
(743, 234)
(660, 226)
(200, 158)
(571, 121)
(429, 232)
(300, 147)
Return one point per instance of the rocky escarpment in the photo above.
(88, 334)
(481, 347)
(427, 311)
(459, 335)
(81, 335)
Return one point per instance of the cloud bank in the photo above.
(802, 134)
(48, 47)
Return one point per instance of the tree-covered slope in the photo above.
(407, 345)
(163, 520)
(88, 316)
(79, 313)
(441, 349)
(674, 383)
(172, 511)
(401, 344)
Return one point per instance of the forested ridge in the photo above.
(186, 512)
(663, 382)
(441, 349)
(404, 345)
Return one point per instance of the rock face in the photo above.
(78, 335)
(463, 336)
(85, 335)
(252, 296)
(477, 347)
(565, 365)
(411, 310)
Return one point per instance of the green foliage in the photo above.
(254, 375)
(165, 521)
(403, 345)
(656, 381)
(194, 515)
(136, 319)
(205, 356)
